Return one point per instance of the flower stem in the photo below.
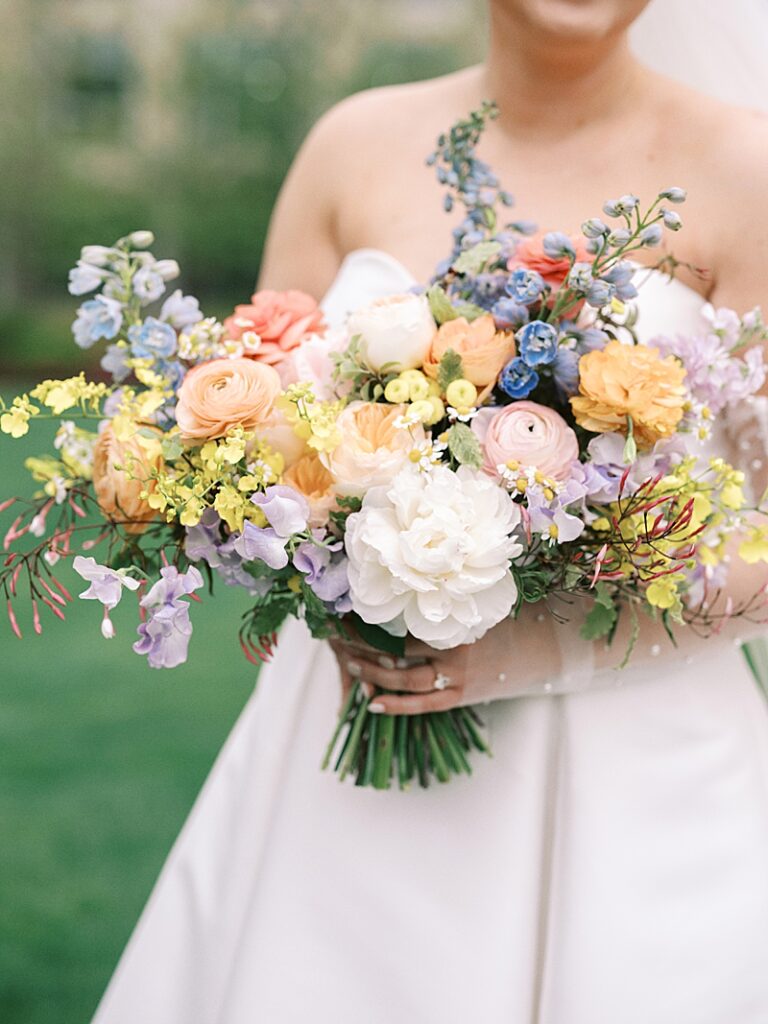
(353, 740)
(368, 767)
(384, 747)
(442, 771)
(343, 717)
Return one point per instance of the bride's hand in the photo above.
(510, 659)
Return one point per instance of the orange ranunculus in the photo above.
(482, 348)
(118, 490)
(630, 380)
(281, 319)
(309, 477)
(373, 449)
(530, 254)
(224, 393)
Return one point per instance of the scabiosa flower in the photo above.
(164, 636)
(525, 286)
(152, 339)
(517, 379)
(97, 318)
(537, 343)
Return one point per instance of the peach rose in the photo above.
(309, 477)
(281, 437)
(630, 380)
(118, 491)
(281, 320)
(373, 451)
(224, 393)
(530, 254)
(527, 433)
(482, 348)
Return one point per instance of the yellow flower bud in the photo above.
(461, 393)
(438, 409)
(418, 389)
(412, 375)
(397, 391)
(423, 409)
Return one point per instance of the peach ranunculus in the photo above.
(530, 254)
(620, 381)
(483, 350)
(280, 319)
(309, 477)
(373, 449)
(118, 490)
(224, 393)
(528, 434)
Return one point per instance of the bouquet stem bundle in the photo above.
(379, 749)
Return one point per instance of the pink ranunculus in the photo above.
(280, 319)
(529, 434)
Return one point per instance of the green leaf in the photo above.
(464, 446)
(473, 260)
(440, 305)
(271, 614)
(603, 615)
(171, 448)
(450, 368)
(470, 311)
(378, 637)
(315, 613)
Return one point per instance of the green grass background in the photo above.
(100, 761)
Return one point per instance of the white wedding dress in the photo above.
(609, 864)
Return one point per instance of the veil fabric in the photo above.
(716, 46)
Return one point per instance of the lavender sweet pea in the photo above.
(262, 544)
(285, 509)
(164, 636)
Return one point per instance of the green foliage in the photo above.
(449, 369)
(464, 446)
(472, 261)
(440, 305)
(378, 637)
(602, 618)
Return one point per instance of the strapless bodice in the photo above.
(666, 306)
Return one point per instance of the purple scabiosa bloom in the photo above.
(525, 286)
(286, 510)
(537, 343)
(508, 315)
(262, 544)
(517, 379)
(97, 318)
(164, 636)
(152, 339)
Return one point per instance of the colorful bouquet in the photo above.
(496, 438)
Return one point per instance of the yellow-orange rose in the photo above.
(309, 477)
(118, 491)
(373, 449)
(225, 393)
(482, 348)
(630, 380)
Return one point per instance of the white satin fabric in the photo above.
(609, 864)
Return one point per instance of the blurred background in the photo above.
(181, 116)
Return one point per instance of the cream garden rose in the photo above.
(430, 554)
(395, 332)
(374, 448)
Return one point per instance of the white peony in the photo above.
(430, 553)
(395, 332)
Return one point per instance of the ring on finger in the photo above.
(442, 681)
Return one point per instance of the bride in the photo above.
(608, 865)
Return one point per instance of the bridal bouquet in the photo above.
(496, 437)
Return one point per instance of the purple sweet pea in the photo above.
(311, 560)
(204, 543)
(164, 637)
(286, 510)
(106, 585)
(257, 544)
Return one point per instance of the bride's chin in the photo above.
(574, 20)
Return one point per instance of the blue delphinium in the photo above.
(487, 288)
(508, 315)
(565, 371)
(537, 343)
(115, 362)
(152, 339)
(525, 286)
(518, 380)
(558, 246)
(97, 318)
